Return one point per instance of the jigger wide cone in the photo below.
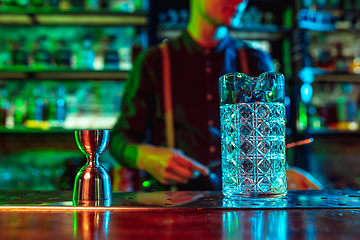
(92, 182)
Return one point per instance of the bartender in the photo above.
(196, 60)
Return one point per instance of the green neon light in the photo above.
(146, 183)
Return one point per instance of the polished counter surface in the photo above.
(329, 214)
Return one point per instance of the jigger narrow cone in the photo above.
(92, 182)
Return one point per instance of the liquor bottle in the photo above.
(65, 5)
(35, 108)
(41, 55)
(37, 3)
(4, 106)
(19, 56)
(19, 109)
(141, 4)
(111, 55)
(357, 14)
(85, 55)
(104, 4)
(348, 16)
(5, 57)
(91, 4)
(8, 3)
(53, 4)
(340, 61)
(56, 110)
(22, 3)
(78, 4)
(122, 5)
(307, 3)
(321, 5)
(63, 55)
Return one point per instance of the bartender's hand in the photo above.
(168, 166)
(299, 179)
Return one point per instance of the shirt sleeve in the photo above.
(136, 112)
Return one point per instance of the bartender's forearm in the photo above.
(130, 154)
(123, 150)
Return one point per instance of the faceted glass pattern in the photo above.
(253, 148)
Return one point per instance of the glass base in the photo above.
(253, 195)
(92, 203)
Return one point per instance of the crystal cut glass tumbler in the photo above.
(252, 116)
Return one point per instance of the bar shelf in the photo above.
(337, 77)
(261, 33)
(80, 18)
(332, 132)
(63, 75)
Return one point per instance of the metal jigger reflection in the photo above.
(92, 183)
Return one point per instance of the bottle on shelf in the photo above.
(37, 3)
(357, 14)
(19, 109)
(35, 109)
(41, 56)
(19, 56)
(104, 4)
(348, 12)
(5, 56)
(4, 106)
(63, 55)
(22, 3)
(122, 5)
(53, 4)
(8, 3)
(85, 55)
(92, 4)
(65, 5)
(78, 4)
(321, 5)
(56, 107)
(111, 54)
(307, 3)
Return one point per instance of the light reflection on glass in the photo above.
(91, 225)
(258, 224)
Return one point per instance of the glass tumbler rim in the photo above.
(277, 75)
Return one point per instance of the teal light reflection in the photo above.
(256, 224)
(106, 221)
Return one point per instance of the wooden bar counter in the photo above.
(328, 214)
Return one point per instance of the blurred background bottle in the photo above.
(92, 4)
(37, 3)
(4, 106)
(35, 108)
(5, 57)
(41, 56)
(19, 55)
(85, 55)
(63, 55)
(19, 109)
(122, 5)
(78, 4)
(111, 54)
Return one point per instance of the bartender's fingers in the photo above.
(191, 164)
(314, 184)
(170, 178)
(180, 170)
(299, 179)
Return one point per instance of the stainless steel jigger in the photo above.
(92, 183)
